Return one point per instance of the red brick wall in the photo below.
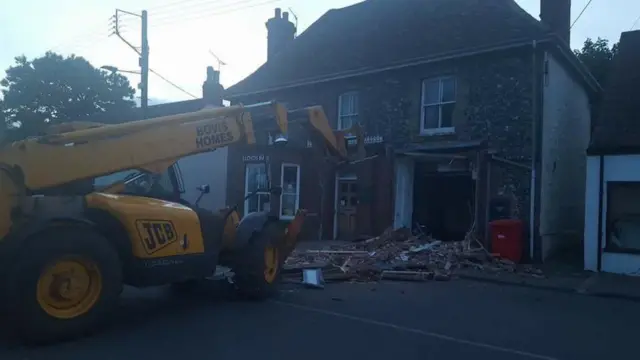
(374, 184)
(309, 185)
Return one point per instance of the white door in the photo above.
(403, 193)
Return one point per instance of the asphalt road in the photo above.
(436, 320)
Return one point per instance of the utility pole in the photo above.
(142, 51)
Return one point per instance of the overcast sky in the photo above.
(182, 32)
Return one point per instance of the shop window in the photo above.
(290, 199)
(255, 179)
(623, 216)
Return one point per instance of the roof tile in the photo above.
(378, 33)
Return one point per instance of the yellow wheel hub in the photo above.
(271, 261)
(69, 288)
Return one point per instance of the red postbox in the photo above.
(506, 238)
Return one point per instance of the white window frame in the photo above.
(352, 94)
(439, 130)
(246, 186)
(297, 193)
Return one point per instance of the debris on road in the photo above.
(313, 278)
(400, 255)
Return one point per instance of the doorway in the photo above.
(444, 202)
(346, 207)
(404, 170)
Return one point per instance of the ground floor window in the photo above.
(290, 199)
(255, 179)
(623, 216)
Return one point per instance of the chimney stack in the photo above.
(212, 90)
(556, 14)
(280, 33)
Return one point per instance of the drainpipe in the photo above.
(601, 186)
(535, 250)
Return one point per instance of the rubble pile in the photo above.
(399, 255)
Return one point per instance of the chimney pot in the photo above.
(211, 89)
(280, 33)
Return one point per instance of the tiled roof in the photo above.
(378, 33)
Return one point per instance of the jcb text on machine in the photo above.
(91, 207)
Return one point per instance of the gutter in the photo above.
(409, 63)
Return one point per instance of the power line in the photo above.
(199, 9)
(171, 9)
(173, 84)
(201, 15)
(580, 15)
(635, 23)
(182, 4)
(196, 9)
(93, 34)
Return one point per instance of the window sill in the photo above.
(438, 131)
(286, 217)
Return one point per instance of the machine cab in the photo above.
(167, 185)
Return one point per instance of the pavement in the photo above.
(578, 282)
(374, 321)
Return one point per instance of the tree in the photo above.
(598, 57)
(53, 89)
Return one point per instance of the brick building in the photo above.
(475, 110)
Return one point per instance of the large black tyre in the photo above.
(73, 244)
(253, 278)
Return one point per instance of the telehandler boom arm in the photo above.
(152, 144)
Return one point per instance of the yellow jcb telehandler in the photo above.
(68, 242)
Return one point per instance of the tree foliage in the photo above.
(598, 57)
(53, 89)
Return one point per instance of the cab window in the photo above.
(106, 180)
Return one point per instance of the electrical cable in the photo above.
(161, 12)
(201, 15)
(172, 83)
(93, 34)
(580, 15)
(635, 23)
(197, 8)
(182, 4)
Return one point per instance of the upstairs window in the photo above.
(438, 103)
(347, 110)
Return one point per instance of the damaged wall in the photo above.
(493, 101)
(499, 108)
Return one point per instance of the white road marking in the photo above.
(414, 331)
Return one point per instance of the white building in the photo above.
(612, 212)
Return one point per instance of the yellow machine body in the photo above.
(68, 245)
